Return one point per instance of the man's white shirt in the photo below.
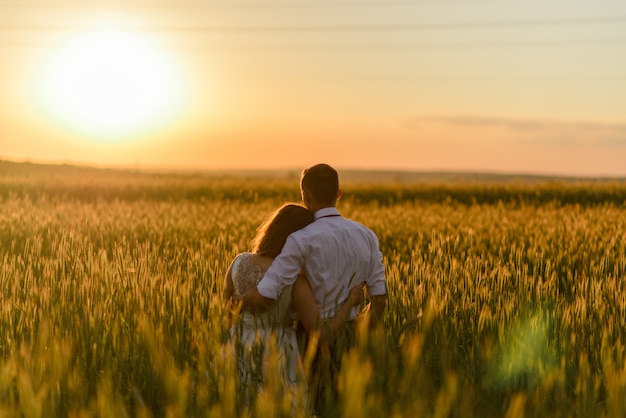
(335, 254)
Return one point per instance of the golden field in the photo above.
(506, 298)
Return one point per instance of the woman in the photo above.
(254, 328)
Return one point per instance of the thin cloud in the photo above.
(544, 131)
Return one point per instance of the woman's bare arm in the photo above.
(227, 295)
(229, 286)
(309, 314)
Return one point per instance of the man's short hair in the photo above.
(322, 181)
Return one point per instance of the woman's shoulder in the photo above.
(261, 261)
(246, 274)
(251, 260)
(243, 256)
(239, 258)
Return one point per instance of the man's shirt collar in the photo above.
(326, 212)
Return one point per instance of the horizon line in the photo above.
(164, 169)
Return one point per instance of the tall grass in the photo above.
(497, 307)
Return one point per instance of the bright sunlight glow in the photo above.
(110, 85)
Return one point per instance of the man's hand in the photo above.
(356, 295)
(379, 303)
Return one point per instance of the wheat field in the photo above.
(505, 299)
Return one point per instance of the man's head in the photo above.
(319, 186)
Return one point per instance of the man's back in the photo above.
(335, 254)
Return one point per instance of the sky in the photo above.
(504, 86)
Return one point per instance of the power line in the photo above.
(232, 5)
(378, 47)
(344, 28)
(426, 46)
(563, 78)
(560, 78)
(400, 27)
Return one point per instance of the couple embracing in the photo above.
(312, 264)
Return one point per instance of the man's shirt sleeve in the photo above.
(376, 282)
(283, 271)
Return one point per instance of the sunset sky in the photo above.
(528, 86)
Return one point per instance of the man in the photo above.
(335, 254)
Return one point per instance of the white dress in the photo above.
(257, 331)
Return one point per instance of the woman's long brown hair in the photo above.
(274, 230)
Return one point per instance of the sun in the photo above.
(110, 85)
